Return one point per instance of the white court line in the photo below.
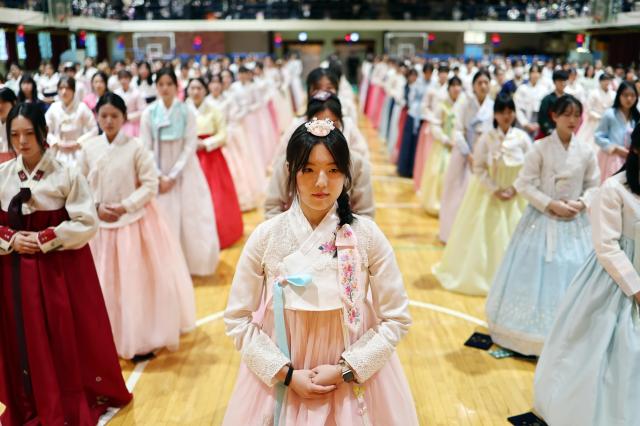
(447, 311)
(137, 372)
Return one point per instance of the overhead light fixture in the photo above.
(303, 36)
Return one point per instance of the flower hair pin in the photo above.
(320, 128)
(321, 95)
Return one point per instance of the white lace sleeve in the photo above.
(390, 303)
(260, 354)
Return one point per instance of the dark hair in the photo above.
(480, 73)
(503, 102)
(149, 78)
(427, 67)
(605, 76)
(298, 151)
(443, 68)
(564, 102)
(199, 80)
(243, 70)
(336, 68)
(169, 73)
(318, 74)
(233, 77)
(627, 85)
(104, 78)
(632, 164)
(454, 81)
(216, 77)
(323, 101)
(114, 100)
(69, 81)
(32, 112)
(536, 68)
(124, 74)
(28, 78)
(560, 75)
(8, 95)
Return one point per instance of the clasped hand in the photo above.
(26, 242)
(316, 383)
(505, 194)
(566, 209)
(110, 212)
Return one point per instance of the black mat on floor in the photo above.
(527, 419)
(479, 341)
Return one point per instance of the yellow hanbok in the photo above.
(484, 223)
(443, 132)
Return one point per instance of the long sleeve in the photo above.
(436, 126)
(529, 180)
(391, 305)
(461, 141)
(606, 226)
(277, 194)
(219, 139)
(601, 135)
(147, 176)
(546, 125)
(591, 180)
(52, 123)
(520, 99)
(190, 145)
(357, 141)
(83, 218)
(89, 125)
(592, 106)
(259, 352)
(481, 163)
(362, 191)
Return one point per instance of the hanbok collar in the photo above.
(29, 179)
(203, 108)
(506, 146)
(120, 139)
(558, 143)
(168, 123)
(307, 237)
(71, 108)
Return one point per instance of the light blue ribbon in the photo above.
(281, 330)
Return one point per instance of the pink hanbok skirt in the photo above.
(146, 284)
(422, 152)
(315, 338)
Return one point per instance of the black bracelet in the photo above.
(287, 379)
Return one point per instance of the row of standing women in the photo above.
(148, 208)
(514, 215)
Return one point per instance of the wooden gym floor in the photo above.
(451, 384)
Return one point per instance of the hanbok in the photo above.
(171, 133)
(319, 325)
(135, 106)
(545, 251)
(67, 124)
(58, 362)
(589, 370)
(484, 224)
(613, 130)
(442, 137)
(598, 102)
(475, 119)
(213, 134)
(143, 274)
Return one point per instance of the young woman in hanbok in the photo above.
(134, 100)
(322, 105)
(8, 100)
(169, 128)
(145, 82)
(476, 118)
(68, 120)
(490, 209)
(58, 363)
(144, 276)
(48, 83)
(29, 92)
(614, 130)
(245, 166)
(376, 101)
(325, 355)
(598, 101)
(442, 127)
(589, 370)
(552, 240)
(212, 132)
(437, 91)
(98, 88)
(527, 98)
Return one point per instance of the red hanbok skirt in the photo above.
(73, 365)
(223, 194)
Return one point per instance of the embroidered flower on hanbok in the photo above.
(329, 247)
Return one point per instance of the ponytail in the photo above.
(344, 209)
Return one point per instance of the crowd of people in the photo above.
(120, 183)
(532, 170)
